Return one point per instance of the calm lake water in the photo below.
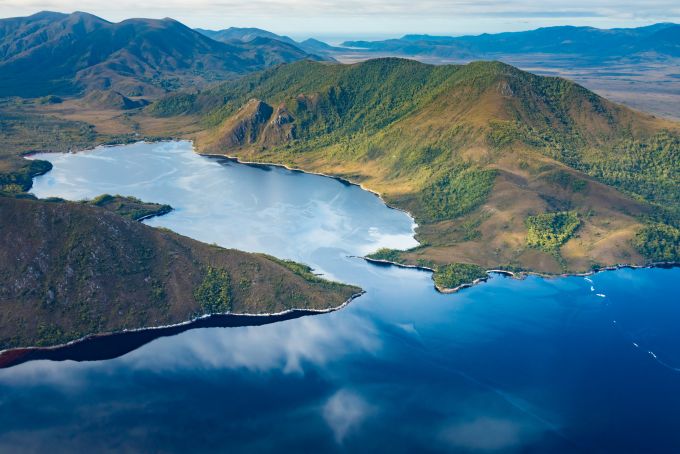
(539, 365)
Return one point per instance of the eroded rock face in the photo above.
(280, 129)
(245, 127)
(257, 123)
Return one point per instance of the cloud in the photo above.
(355, 8)
(484, 434)
(344, 411)
(285, 346)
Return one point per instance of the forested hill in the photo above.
(59, 54)
(472, 150)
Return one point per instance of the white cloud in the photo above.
(345, 411)
(365, 17)
(483, 434)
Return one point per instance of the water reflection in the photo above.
(284, 213)
(508, 366)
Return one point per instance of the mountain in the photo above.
(661, 38)
(243, 34)
(54, 53)
(71, 269)
(311, 45)
(481, 154)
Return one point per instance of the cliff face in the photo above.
(71, 269)
(257, 123)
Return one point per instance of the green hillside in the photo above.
(472, 151)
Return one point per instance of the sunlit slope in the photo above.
(472, 151)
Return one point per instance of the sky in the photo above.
(336, 20)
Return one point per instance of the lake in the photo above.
(533, 365)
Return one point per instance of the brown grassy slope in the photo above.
(68, 270)
(485, 116)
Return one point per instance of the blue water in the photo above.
(537, 365)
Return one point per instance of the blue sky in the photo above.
(370, 18)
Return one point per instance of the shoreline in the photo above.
(514, 274)
(303, 312)
(519, 275)
(342, 180)
(7, 356)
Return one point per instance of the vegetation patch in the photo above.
(21, 179)
(389, 255)
(456, 274)
(130, 207)
(549, 231)
(303, 271)
(213, 294)
(566, 180)
(457, 193)
(659, 243)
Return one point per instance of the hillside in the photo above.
(72, 269)
(633, 66)
(478, 153)
(64, 54)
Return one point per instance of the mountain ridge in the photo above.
(589, 41)
(54, 53)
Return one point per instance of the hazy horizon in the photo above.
(335, 21)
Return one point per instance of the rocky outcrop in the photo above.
(280, 128)
(257, 123)
(246, 126)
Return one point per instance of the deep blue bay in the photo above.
(533, 365)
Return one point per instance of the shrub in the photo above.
(457, 193)
(213, 294)
(456, 274)
(390, 255)
(549, 231)
(658, 243)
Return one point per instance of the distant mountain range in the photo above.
(311, 45)
(55, 53)
(663, 38)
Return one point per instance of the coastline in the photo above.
(519, 275)
(302, 312)
(513, 274)
(343, 180)
(9, 356)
